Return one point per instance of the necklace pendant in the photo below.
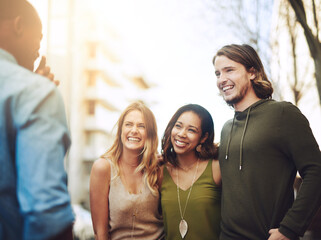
(183, 227)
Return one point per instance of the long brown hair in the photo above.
(148, 158)
(248, 57)
(209, 149)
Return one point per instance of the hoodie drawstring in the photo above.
(229, 140)
(242, 139)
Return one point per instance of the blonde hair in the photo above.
(148, 157)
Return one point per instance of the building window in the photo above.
(91, 107)
(91, 78)
(92, 48)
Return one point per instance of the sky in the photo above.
(166, 40)
(173, 42)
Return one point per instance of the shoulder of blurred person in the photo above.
(34, 134)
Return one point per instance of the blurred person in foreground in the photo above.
(124, 182)
(261, 150)
(34, 201)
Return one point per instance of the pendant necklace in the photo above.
(134, 202)
(183, 227)
(133, 223)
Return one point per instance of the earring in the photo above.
(199, 148)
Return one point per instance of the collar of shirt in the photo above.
(7, 56)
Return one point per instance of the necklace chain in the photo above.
(189, 193)
(135, 210)
(131, 165)
(133, 224)
(127, 185)
(188, 168)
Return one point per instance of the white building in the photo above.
(98, 81)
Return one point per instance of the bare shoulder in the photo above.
(160, 176)
(216, 171)
(169, 167)
(215, 164)
(170, 170)
(101, 167)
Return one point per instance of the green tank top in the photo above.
(203, 211)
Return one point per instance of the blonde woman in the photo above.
(124, 195)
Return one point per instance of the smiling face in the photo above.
(133, 134)
(233, 80)
(186, 133)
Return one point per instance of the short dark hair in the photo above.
(209, 149)
(13, 8)
(248, 57)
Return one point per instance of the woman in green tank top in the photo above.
(190, 189)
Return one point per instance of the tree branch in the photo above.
(312, 41)
(316, 22)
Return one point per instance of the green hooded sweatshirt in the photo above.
(261, 150)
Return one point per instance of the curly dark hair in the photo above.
(209, 148)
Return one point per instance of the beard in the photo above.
(239, 97)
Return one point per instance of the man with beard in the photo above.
(261, 150)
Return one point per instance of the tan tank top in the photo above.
(133, 216)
